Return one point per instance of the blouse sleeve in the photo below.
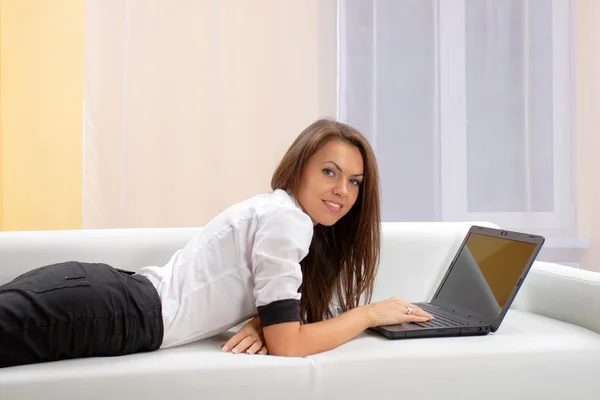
(281, 242)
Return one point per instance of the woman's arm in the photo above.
(294, 340)
(280, 244)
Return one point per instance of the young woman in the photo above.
(287, 259)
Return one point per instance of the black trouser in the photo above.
(73, 310)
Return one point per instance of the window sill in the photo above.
(567, 243)
(564, 250)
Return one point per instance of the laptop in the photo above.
(478, 288)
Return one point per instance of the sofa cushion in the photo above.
(529, 357)
(199, 370)
(551, 359)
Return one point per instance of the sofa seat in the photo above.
(197, 370)
(530, 357)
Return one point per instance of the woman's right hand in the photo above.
(394, 311)
(249, 339)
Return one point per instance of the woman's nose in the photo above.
(340, 189)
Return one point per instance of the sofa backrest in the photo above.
(128, 249)
(414, 256)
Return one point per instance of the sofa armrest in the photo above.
(562, 293)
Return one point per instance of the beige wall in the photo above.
(41, 91)
(193, 117)
(588, 128)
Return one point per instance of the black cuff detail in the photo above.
(279, 311)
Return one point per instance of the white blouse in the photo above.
(243, 262)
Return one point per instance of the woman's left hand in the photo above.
(249, 339)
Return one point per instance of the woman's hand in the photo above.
(394, 311)
(249, 339)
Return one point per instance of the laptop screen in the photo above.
(485, 274)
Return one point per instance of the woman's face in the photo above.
(330, 182)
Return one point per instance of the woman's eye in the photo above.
(328, 172)
(354, 182)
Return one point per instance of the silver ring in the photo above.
(409, 310)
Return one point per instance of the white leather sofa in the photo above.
(548, 346)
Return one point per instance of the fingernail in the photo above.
(225, 348)
(235, 351)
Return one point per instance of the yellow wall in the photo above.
(41, 100)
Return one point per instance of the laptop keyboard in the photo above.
(440, 320)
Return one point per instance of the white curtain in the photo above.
(477, 109)
(189, 104)
(468, 104)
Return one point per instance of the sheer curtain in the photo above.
(469, 106)
(189, 105)
(477, 109)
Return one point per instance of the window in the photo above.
(467, 104)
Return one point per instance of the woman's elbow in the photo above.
(285, 351)
(284, 340)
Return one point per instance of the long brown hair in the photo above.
(343, 258)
